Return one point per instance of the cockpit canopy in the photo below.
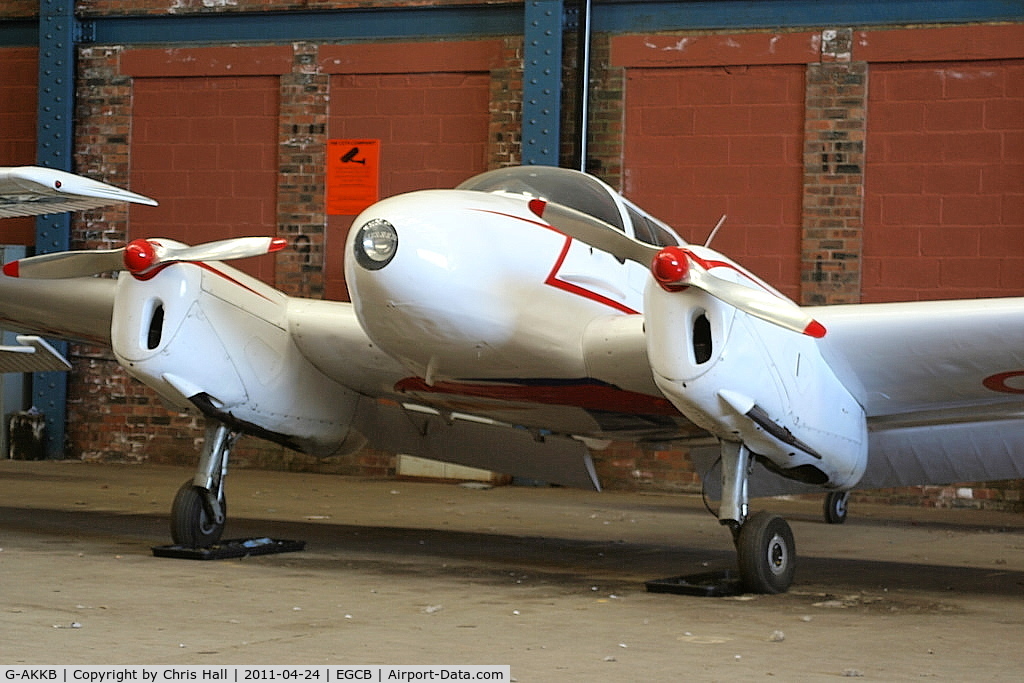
(577, 191)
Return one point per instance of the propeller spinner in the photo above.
(142, 258)
(676, 268)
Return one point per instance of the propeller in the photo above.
(676, 268)
(142, 258)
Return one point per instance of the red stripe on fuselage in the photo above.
(150, 274)
(552, 278)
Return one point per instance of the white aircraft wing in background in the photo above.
(33, 190)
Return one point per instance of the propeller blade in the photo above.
(676, 268)
(760, 304)
(225, 250)
(139, 257)
(66, 264)
(593, 231)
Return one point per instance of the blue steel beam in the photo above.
(355, 24)
(542, 81)
(55, 149)
(626, 16)
(613, 16)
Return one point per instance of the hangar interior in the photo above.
(863, 151)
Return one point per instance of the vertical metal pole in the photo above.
(542, 81)
(582, 85)
(54, 149)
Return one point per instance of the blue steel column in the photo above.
(542, 81)
(54, 148)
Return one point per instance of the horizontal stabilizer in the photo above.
(33, 190)
(33, 355)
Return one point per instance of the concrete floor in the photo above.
(549, 581)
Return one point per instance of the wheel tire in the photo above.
(191, 526)
(836, 507)
(766, 553)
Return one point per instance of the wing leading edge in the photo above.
(935, 358)
(33, 190)
(942, 383)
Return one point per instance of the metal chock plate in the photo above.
(234, 548)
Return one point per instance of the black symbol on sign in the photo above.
(350, 157)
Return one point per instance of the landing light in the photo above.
(376, 244)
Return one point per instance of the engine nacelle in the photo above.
(744, 379)
(207, 336)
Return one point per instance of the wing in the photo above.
(33, 190)
(928, 362)
(942, 384)
(77, 310)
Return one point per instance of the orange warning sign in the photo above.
(353, 176)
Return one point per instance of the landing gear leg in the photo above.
(200, 508)
(765, 549)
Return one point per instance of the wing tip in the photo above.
(11, 269)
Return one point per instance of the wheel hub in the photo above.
(778, 555)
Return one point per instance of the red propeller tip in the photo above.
(11, 269)
(815, 329)
(277, 244)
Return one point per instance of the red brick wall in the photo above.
(207, 147)
(945, 181)
(432, 127)
(18, 69)
(702, 142)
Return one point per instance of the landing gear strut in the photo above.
(200, 508)
(765, 549)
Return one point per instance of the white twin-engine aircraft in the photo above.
(521, 318)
